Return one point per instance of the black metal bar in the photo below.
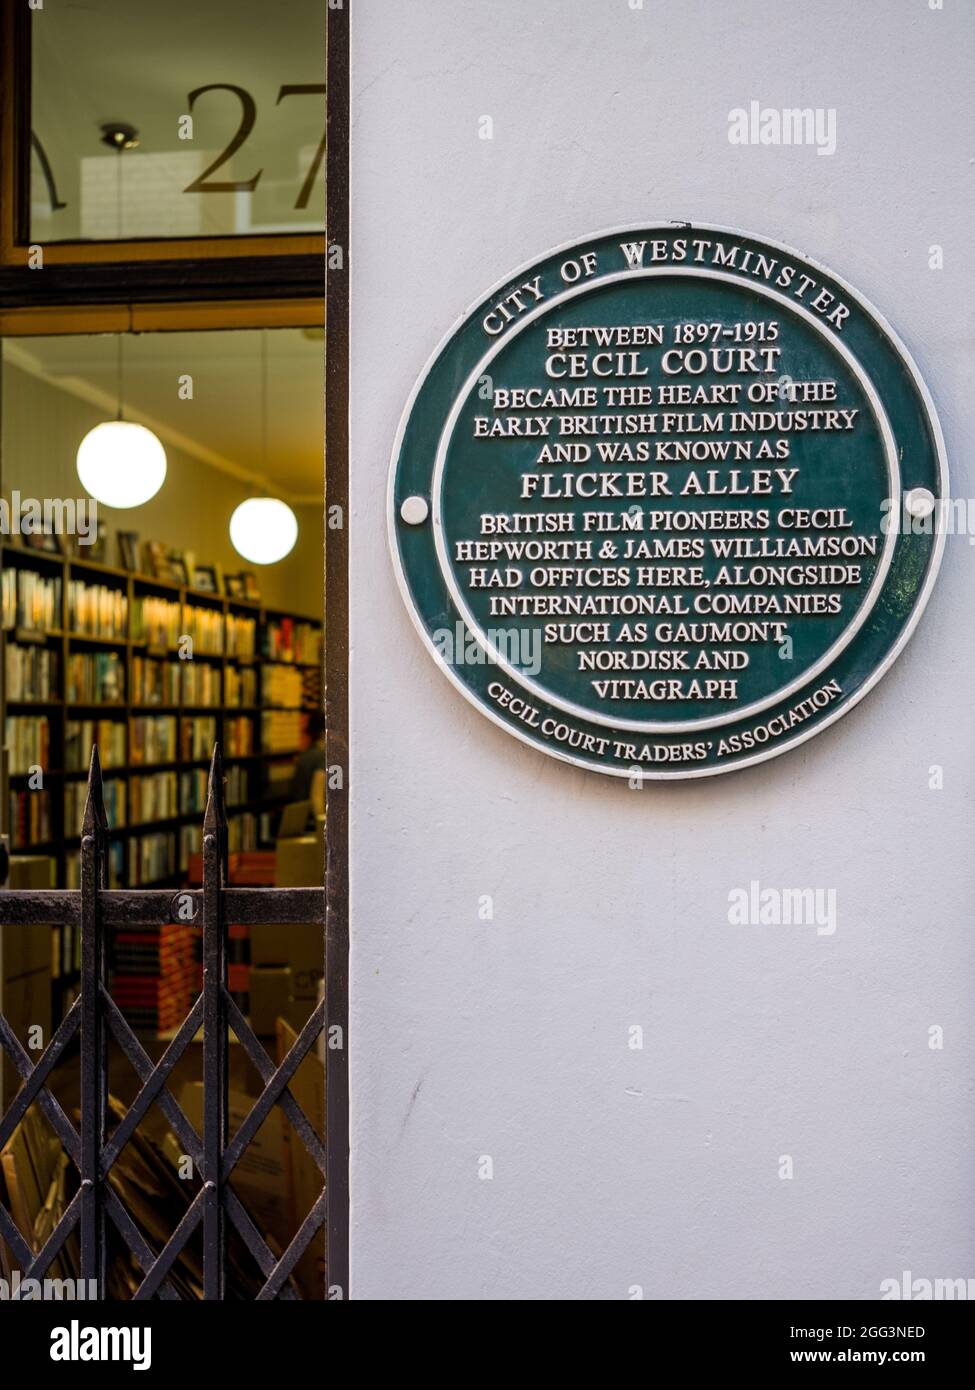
(39, 1074)
(302, 1239)
(154, 1080)
(134, 1239)
(337, 396)
(56, 1117)
(267, 1072)
(144, 907)
(52, 1246)
(252, 1238)
(171, 1250)
(94, 1057)
(94, 1014)
(215, 1078)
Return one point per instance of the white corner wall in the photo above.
(658, 1168)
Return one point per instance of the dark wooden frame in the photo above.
(337, 644)
(274, 266)
(199, 278)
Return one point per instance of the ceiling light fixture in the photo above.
(263, 529)
(121, 464)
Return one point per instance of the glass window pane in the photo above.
(121, 147)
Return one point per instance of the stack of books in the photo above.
(153, 976)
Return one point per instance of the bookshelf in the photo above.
(92, 653)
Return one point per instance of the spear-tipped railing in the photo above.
(97, 910)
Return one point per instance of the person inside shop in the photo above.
(308, 782)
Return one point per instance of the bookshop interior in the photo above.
(161, 559)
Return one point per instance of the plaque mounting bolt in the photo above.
(919, 502)
(414, 510)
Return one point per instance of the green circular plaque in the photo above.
(666, 502)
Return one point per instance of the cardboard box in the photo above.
(299, 948)
(260, 1178)
(271, 996)
(300, 862)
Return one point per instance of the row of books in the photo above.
(154, 682)
(153, 797)
(240, 687)
(197, 737)
(30, 672)
(96, 678)
(31, 600)
(194, 786)
(28, 739)
(75, 795)
(238, 736)
(96, 610)
(281, 730)
(80, 735)
(152, 739)
(201, 683)
(289, 639)
(281, 685)
(163, 624)
(152, 857)
(206, 629)
(156, 621)
(241, 635)
(160, 682)
(116, 865)
(30, 818)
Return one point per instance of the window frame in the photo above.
(15, 243)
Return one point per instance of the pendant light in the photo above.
(263, 529)
(121, 464)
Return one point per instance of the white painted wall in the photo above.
(659, 1167)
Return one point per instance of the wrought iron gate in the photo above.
(94, 1015)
